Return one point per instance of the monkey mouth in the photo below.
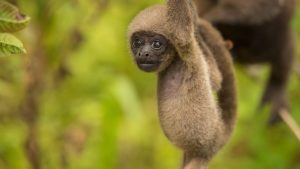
(148, 65)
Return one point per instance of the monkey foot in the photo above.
(275, 113)
(276, 107)
(277, 100)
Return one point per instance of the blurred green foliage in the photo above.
(96, 110)
(11, 20)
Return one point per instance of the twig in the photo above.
(291, 123)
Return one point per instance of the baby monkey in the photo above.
(192, 62)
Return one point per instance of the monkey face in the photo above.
(151, 51)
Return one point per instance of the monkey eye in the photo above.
(137, 43)
(156, 45)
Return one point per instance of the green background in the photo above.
(95, 110)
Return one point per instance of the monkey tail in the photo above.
(227, 94)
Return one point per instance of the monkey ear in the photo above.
(229, 44)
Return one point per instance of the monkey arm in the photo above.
(181, 16)
(214, 72)
(244, 12)
(180, 24)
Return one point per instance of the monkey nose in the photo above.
(144, 54)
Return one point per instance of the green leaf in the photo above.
(10, 45)
(11, 20)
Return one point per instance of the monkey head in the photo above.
(149, 45)
(151, 51)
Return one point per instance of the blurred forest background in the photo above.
(77, 101)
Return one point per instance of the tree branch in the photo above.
(291, 123)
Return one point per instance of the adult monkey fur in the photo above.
(192, 60)
(261, 33)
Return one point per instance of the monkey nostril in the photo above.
(146, 54)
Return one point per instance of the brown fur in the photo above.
(261, 33)
(248, 12)
(189, 114)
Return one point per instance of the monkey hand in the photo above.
(180, 20)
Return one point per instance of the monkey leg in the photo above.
(275, 91)
(275, 95)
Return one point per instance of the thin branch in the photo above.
(291, 123)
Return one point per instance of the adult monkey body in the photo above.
(261, 33)
(192, 60)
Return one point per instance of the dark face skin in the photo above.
(150, 50)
